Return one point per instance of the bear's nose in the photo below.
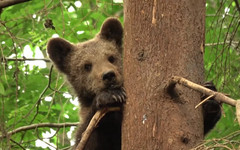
(109, 76)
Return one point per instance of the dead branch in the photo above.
(92, 125)
(40, 125)
(6, 3)
(222, 43)
(25, 59)
(217, 95)
(203, 101)
(227, 141)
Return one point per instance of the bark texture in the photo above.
(162, 39)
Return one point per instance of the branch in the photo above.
(43, 92)
(24, 59)
(226, 140)
(217, 95)
(92, 125)
(18, 144)
(6, 3)
(221, 43)
(237, 5)
(40, 125)
(203, 101)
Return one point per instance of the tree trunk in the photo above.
(162, 39)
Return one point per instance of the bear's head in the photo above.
(92, 66)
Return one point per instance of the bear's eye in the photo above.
(111, 59)
(88, 67)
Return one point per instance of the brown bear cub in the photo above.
(94, 69)
(211, 109)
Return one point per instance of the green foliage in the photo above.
(222, 55)
(27, 95)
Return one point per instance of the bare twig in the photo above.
(18, 144)
(92, 125)
(203, 101)
(6, 3)
(217, 95)
(222, 43)
(40, 125)
(43, 92)
(227, 140)
(25, 59)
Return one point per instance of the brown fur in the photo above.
(94, 69)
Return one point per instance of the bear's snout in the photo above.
(109, 76)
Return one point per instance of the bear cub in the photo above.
(211, 109)
(94, 69)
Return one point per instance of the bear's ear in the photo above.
(58, 49)
(112, 30)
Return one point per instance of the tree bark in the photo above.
(162, 39)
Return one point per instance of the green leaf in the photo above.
(2, 90)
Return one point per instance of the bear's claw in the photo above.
(111, 98)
